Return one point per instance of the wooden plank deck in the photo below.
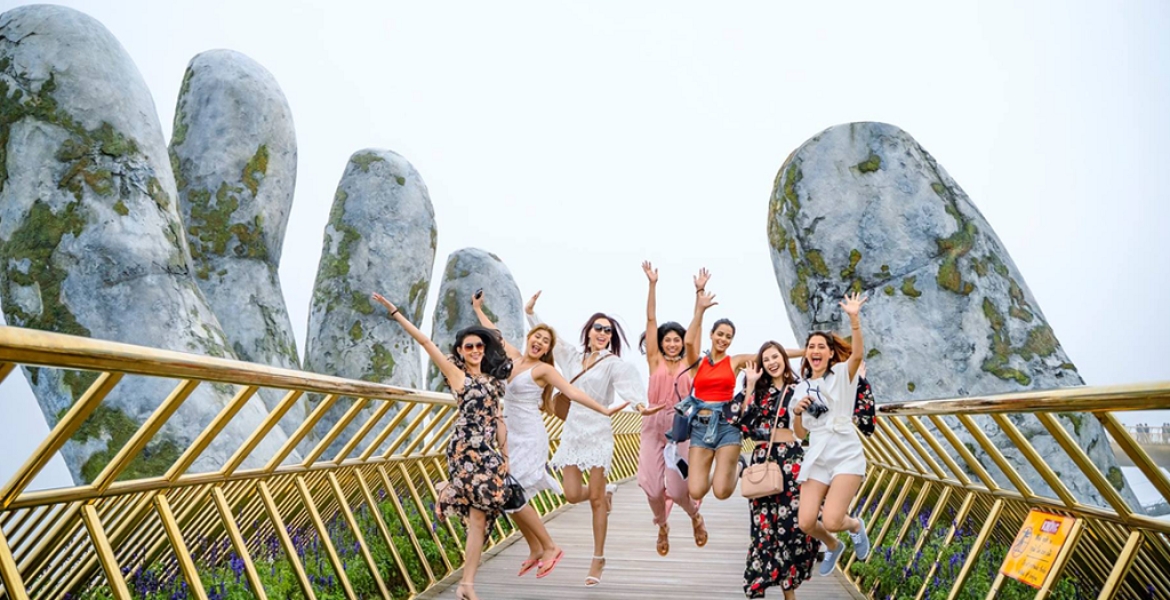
(634, 569)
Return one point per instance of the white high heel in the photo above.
(592, 581)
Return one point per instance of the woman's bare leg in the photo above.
(724, 480)
(573, 483)
(836, 511)
(812, 494)
(533, 530)
(699, 471)
(600, 517)
(476, 527)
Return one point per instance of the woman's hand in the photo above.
(384, 302)
(477, 300)
(753, 372)
(646, 411)
(701, 279)
(531, 306)
(615, 409)
(651, 272)
(706, 300)
(852, 304)
(799, 408)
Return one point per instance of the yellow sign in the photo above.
(1039, 541)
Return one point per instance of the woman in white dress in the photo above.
(532, 380)
(587, 438)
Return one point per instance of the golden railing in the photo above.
(102, 540)
(927, 497)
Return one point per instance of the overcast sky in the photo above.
(576, 139)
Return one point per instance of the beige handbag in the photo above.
(559, 402)
(766, 478)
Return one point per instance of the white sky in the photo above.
(576, 139)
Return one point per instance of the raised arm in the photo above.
(703, 300)
(852, 307)
(794, 352)
(653, 352)
(450, 370)
(477, 305)
(563, 352)
(545, 375)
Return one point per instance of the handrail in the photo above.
(1140, 396)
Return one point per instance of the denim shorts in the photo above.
(726, 434)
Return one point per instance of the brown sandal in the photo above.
(663, 540)
(700, 530)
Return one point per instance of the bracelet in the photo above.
(393, 313)
(700, 290)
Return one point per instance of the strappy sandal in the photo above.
(592, 581)
(609, 490)
(462, 595)
(528, 565)
(552, 564)
(439, 487)
(663, 545)
(700, 529)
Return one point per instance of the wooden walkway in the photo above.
(634, 569)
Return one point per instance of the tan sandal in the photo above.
(700, 529)
(663, 540)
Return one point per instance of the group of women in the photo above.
(500, 433)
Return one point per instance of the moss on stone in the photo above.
(381, 365)
(953, 248)
(1020, 313)
(417, 297)
(434, 237)
(1068, 366)
(980, 267)
(792, 249)
(35, 241)
(255, 169)
(871, 164)
(336, 264)
(908, 287)
(777, 236)
(854, 258)
(355, 332)
(910, 386)
(1116, 478)
(211, 229)
(792, 178)
(451, 306)
(817, 262)
(1077, 420)
(366, 159)
(179, 130)
(120, 208)
(873, 352)
(490, 315)
(939, 188)
(993, 316)
(1041, 342)
(360, 303)
(116, 427)
(799, 293)
(889, 290)
(401, 180)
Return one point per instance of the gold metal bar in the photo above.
(402, 437)
(241, 547)
(877, 540)
(209, 433)
(427, 479)
(145, 433)
(290, 551)
(385, 531)
(186, 565)
(406, 409)
(65, 429)
(960, 518)
(977, 547)
(408, 528)
(347, 514)
(914, 511)
(918, 448)
(9, 574)
(449, 415)
(5, 370)
(302, 430)
(1074, 535)
(323, 537)
(870, 497)
(1136, 453)
(939, 450)
(1037, 461)
(360, 434)
(105, 553)
(964, 452)
(1086, 464)
(335, 431)
(261, 432)
(996, 456)
(422, 435)
(901, 448)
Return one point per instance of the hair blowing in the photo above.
(495, 360)
(547, 357)
(840, 348)
(615, 340)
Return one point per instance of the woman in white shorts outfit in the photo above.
(834, 463)
(587, 438)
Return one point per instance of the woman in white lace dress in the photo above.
(531, 383)
(587, 438)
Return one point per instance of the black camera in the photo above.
(816, 408)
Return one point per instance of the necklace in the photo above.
(673, 358)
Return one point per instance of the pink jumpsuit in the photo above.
(664, 487)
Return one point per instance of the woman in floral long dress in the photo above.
(780, 554)
(477, 459)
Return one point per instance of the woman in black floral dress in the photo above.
(477, 459)
(780, 553)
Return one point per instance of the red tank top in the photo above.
(715, 383)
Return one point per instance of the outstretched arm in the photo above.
(653, 352)
(449, 369)
(794, 352)
(852, 307)
(703, 301)
(545, 375)
(563, 352)
(477, 305)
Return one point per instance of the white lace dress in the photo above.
(527, 436)
(587, 438)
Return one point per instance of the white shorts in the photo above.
(842, 459)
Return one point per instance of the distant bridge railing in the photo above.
(359, 519)
(940, 522)
(1150, 435)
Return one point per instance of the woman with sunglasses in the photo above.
(834, 463)
(587, 438)
(669, 381)
(530, 385)
(477, 459)
(779, 554)
(715, 435)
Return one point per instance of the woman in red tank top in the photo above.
(715, 437)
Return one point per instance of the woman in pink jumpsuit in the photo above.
(669, 382)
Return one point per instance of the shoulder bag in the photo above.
(766, 478)
(560, 403)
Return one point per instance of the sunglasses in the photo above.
(473, 346)
(602, 328)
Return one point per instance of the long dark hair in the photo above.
(840, 349)
(495, 360)
(664, 329)
(726, 322)
(787, 377)
(615, 340)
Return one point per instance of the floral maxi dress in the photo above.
(475, 467)
(779, 554)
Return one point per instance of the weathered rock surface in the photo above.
(381, 237)
(468, 270)
(864, 207)
(90, 238)
(234, 154)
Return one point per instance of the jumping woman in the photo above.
(587, 437)
(669, 382)
(834, 463)
(530, 384)
(477, 459)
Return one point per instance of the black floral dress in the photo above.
(475, 467)
(780, 553)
